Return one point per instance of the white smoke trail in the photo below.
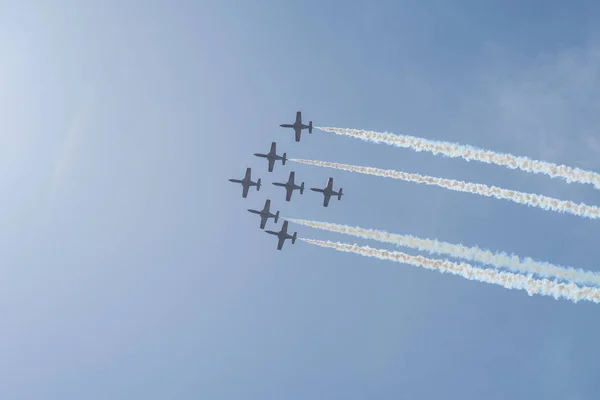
(530, 199)
(498, 260)
(470, 153)
(507, 280)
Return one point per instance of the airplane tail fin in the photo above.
(294, 236)
(302, 188)
(340, 194)
(310, 127)
(284, 159)
(276, 216)
(258, 185)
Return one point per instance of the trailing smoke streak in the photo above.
(470, 153)
(498, 260)
(530, 199)
(507, 280)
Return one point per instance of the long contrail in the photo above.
(507, 280)
(530, 199)
(432, 246)
(470, 153)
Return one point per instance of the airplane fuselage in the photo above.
(298, 126)
(328, 192)
(287, 186)
(244, 181)
(290, 186)
(283, 235)
(280, 235)
(272, 156)
(269, 156)
(263, 214)
(295, 126)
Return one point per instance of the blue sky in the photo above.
(131, 268)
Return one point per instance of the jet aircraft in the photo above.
(298, 126)
(265, 214)
(290, 186)
(247, 182)
(283, 235)
(328, 192)
(272, 156)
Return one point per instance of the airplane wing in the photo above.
(263, 221)
(271, 164)
(248, 171)
(329, 184)
(273, 148)
(267, 205)
(288, 195)
(280, 243)
(284, 227)
(245, 192)
(326, 199)
(292, 177)
(298, 133)
(298, 117)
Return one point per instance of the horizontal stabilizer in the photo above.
(310, 127)
(258, 185)
(294, 237)
(340, 194)
(284, 159)
(302, 188)
(276, 216)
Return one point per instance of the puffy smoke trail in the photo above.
(471, 153)
(530, 199)
(498, 260)
(507, 280)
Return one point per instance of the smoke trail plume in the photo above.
(470, 153)
(530, 199)
(507, 280)
(498, 260)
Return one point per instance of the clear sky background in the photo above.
(130, 267)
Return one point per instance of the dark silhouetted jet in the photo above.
(247, 182)
(328, 192)
(283, 235)
(298, 125)
(265, 214)
(272, 156)
(290, 186)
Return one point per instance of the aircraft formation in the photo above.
(290, 185)
(508, 271)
